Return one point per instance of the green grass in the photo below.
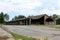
(17, 36)
(56, 34)
(46, 38)
(55, 26)
(0, 25)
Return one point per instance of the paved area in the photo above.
(4, 35)
(34, 31)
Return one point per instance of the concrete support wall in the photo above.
(29, 21)
(45, 17)
(54, 22)
(48, 23)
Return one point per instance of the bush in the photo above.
(58, 21)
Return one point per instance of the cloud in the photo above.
(12, 5)
(30, 7)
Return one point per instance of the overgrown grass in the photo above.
(0, 25)
(17, 36)
(56, 34)
(46, 38)
(55, 26)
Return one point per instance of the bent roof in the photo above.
(38, 16)
(31, 17)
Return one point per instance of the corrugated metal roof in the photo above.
(38, 16)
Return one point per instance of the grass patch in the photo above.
(55, 26)
(4, 37)
(17, 36)
(0, 25)
(46, 38)
(56, 34)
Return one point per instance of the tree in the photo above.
(54, 16)
(18, 17)
(15, 18)
(3, 17)
(6, 17)
(58, 21)
(21, 16)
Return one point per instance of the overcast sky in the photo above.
(30, 7)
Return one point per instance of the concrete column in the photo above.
(44, 20)
(29, 21)
(54, 22)
(24, 22)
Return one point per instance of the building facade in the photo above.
(40, 19)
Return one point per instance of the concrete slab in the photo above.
(4, 34)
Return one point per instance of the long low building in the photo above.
(39, 19)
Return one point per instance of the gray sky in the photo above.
(30, 7)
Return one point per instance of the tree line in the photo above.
(18, 17)
(5, 17)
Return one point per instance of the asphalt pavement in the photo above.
(34, 31)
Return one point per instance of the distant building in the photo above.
(39, 19)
